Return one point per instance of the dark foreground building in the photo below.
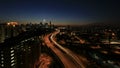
(22, 55)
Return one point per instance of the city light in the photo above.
(12, 24)
(60, 34)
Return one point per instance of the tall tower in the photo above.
(44, 20)
(50, 24)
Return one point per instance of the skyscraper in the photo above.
(22, 55)
(2, 33)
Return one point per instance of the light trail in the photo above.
(65, 50)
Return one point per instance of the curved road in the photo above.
(68, 58)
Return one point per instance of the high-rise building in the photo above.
(46, 25)
(22, 55)
(50, 24)
(7, 58)
(2, 33)
(8, 30)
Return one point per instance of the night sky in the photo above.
(60, 11)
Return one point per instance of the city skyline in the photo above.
(60, 11)
(59, 34)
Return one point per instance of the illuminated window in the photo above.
(11, 48)
(12, 51)
(12, 61)
(12, 64)
(12, 54)
(2, 65)
(2, 58)
(2, 61)
(1, 54)
(12, 58)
